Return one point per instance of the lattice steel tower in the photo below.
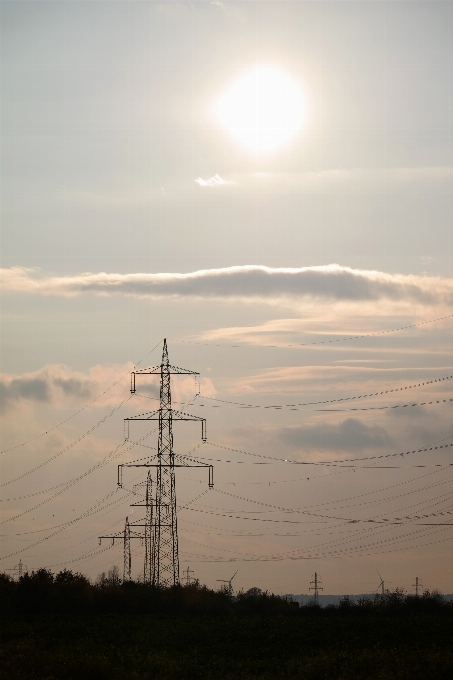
(315, 585)
(127, 558)
(161, 528)
(148, 568)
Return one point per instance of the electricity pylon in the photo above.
(126, 536)
(188, 573)
(417, 585)
(148, 567)
(316, 587)
(127, 559)
(161, 512)
(18, 569)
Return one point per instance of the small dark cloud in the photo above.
(35, 389)
(73, 387)
(412, 413)
(44, 387)
(350, 435)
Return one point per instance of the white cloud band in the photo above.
(331, 282)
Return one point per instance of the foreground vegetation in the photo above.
(64, 628)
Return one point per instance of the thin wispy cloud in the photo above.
(215, 181)
(358, 379)
(246, 283)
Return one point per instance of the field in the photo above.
(318, 645)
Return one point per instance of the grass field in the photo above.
(316, 646)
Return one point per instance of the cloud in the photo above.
(358, 379)
(57, 384)
(247, 283)
(350, 435)
(215, 181)
(60, 386)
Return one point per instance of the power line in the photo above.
(430, 447)
(65, 525)
(306, 512)
(67, 448)
(336, 555)
(12, 448)
(316, 403)
(383, 408)
(321, 342)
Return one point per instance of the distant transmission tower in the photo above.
(127, 560)
(126, 536)
(148, 567)
(161, 528)
(417, 585)
(18, 569)
(315, 585)
(187, 573)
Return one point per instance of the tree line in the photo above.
(71, 592)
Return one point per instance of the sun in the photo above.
(264, 109)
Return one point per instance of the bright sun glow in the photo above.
(264, 109)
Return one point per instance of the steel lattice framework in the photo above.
(161, 527)
(127, 561)
(148, 567)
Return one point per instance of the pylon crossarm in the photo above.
(159, 465)
(180, 456)
(150, 415)
(181, 415)
(176, 415)
(150, 370)
(121, 535)
(157, 370)
(174, 370)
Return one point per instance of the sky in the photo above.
(268, 185)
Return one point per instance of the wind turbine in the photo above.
(381, 585)
(230, 587)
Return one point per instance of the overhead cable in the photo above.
(308, 344)
(316, 403)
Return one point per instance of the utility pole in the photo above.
(162, 567)
(315, 585)
(188, 572)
